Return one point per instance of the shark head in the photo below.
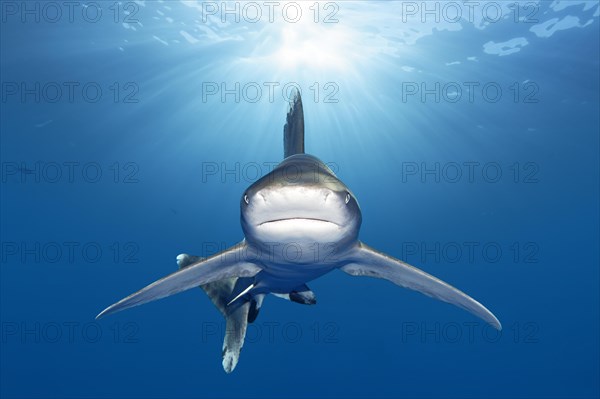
(300, 201)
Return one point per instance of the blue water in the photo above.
(496, 194)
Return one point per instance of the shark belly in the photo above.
(289, 264)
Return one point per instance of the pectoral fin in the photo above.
(366, 261)
(218, 291)
(229, 263)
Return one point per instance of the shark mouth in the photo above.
(298, 221)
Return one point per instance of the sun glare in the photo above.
(308, 46)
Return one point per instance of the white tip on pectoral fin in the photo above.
(366, 261)
(229, 263)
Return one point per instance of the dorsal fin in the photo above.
(293, 131)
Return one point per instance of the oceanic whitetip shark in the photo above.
(299, 222)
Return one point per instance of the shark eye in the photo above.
(246, 199)
(347, 197)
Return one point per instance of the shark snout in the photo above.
(295, 203)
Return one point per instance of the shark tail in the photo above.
(236, 317)
(293, 131)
